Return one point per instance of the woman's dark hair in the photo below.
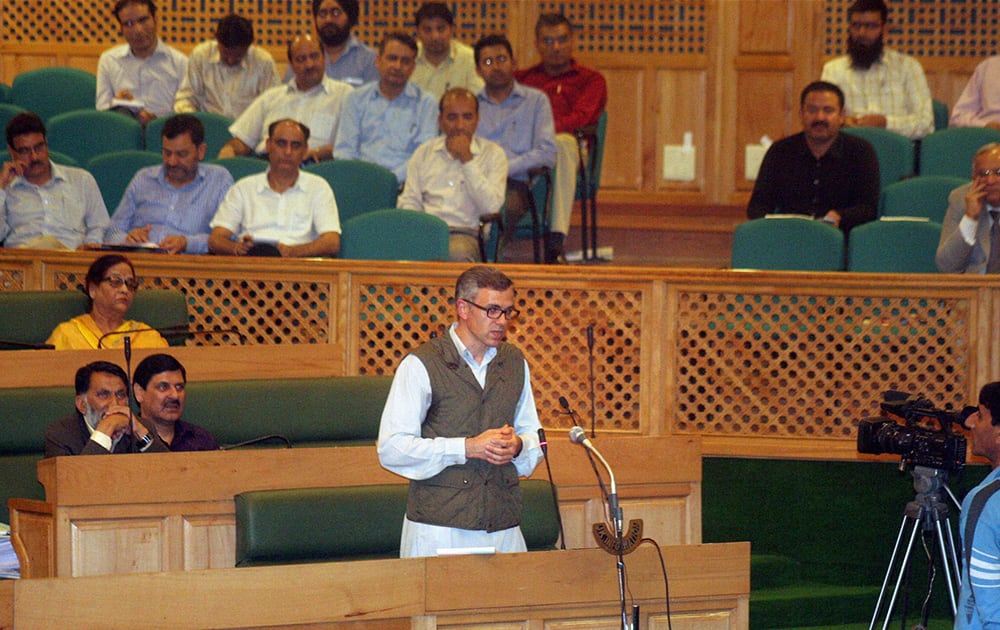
(97, 270)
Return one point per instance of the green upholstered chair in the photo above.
(55, 156)
(358, 186)
(30, 316)
(241, 166)
(950, 151)
(55, 90)
(216, 131)
(6, 93)
(894, 151)
(353, 523)
(923, 196)
(83, 135)
(788, 244)
(394, 234)
(894, 246)
(8, 111)
(113, 172)
(941, 115)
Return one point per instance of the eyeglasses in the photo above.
(136, 21)
(551, 41)
(489, 61)
(335, 13)
(494, 312)
(987, 172)
(26, 151)
(116, 282)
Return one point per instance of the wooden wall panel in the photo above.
(766, 107)
(764, 27)
(683, 96)
(622, 168)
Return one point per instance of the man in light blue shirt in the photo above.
(515, 116)
(347, 59)
(384, 122)
(45, 205)
(172, 205)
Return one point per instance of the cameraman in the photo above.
(979, 600)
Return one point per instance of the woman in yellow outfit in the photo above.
(110, 287)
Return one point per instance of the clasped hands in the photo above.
(496, 446)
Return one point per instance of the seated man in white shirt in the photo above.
(44, 205)
(443, 62)
(227, 73)
(457, 176)
(139, 78)
(311, 98)
(284, 211)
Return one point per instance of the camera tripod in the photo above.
(927, 513)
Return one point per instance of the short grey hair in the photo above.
(480, 277)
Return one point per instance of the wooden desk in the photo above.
(709, 588)
(152, 512)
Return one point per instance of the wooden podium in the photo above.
(115, 514)
(578, 589)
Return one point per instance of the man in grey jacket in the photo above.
(970, 237)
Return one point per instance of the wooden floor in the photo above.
(663, 236)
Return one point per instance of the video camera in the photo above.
(934, 448)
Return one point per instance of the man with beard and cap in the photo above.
(172, 204)
(159, 385)
(140, 77)
(819, 171)
(970, 234)
(883, 87)
(101, 423)
(457, 176)
(384, 122)
(347, 59)
(310, 97)
(45, 205)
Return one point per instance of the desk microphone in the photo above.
(130, 391)
(579, 436)
(544, 443)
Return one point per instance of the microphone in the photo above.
(590, 337)
(544, 443)
(128, 353)
(565, 405)
(177, 330)
(26, 345)
(256, 440)
(131, 392)
(579, 436)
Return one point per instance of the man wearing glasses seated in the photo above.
(970, 235)
(460, 422)
(45, 205)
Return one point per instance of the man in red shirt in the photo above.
(578, 96)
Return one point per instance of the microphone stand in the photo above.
(590, 361)
(130, 392)
(176, 330)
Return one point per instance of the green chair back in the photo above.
(52, 91)
(894, 246)
(8, 111)
(788, 244)
(6, 93)
(114, 171)
(85, 134)
(941, 115)
(241, 166)
(55, 156)
(924, 196)
(359, 187)
(216, 131)
(394, 234)
(894, 151)
(950, 151)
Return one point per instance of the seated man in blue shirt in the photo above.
(171, 205)
(384, 122)
(519, 119)
(45, 205)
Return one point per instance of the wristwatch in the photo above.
(145, 441)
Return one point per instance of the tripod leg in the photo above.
(902, 571)
(947, 554)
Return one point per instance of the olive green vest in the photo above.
(476, 495)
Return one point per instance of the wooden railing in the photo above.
(755, 363)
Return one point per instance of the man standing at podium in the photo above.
(460, 422)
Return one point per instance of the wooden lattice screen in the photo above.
(812, 365)
(928, 28)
